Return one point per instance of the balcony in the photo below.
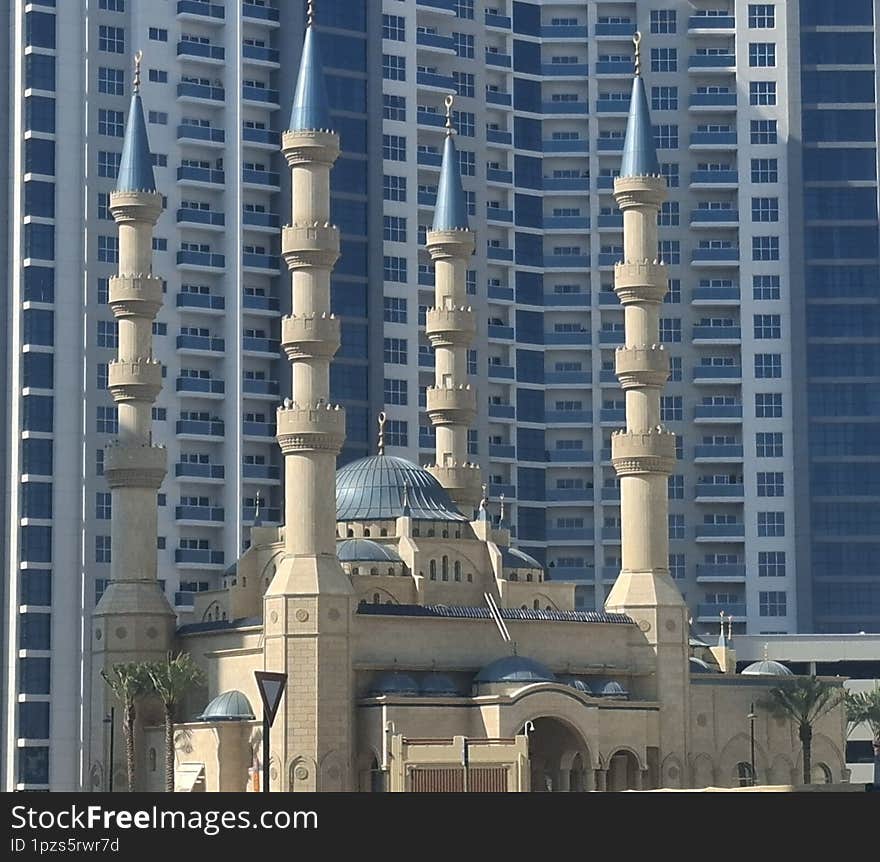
(502, 411)
(260, 430)
(718, 413)
(715, 179)
(260, 220)
(260, 55)
(714, 218)
(715, 296)
(262, 138)
(268, 514)
(261, 472)
(610, 573)
(501, 294)
(496, 175)
(611, 337)
(626, 31)
(504, 333)
(436, 41)
(566, 261)
(202, 218)
(260, 303)
(200, 51)
(201, 301)
(201, 11)
(569, 456)
(715, 532)
(714, 491)
(710, 23)
(610, 495)
(269, 180)
(434, 81)
(614, 67)
(254, 345)
(200, 429)
(497, 214)
(200, 344)
(611, 534)
(198, 556)
(265, 14)
(198, 515)
(497, 252)
(715, 256)
(189, 175)
(569, 495)
(719, 452)
(571, 145)
(434, 119)
(509, 491)
(712, 101)
(426, 360)
(712, 63)
(611, 222)
(567, 378)
(201, 386)
(579, 535)
(567, 300)
(429, 159)
(566, 184)
(445, 6)
(499, 22)
(565, 70)
(261, 95)
(574, 108)
(267, 263)
(563, 31)
(723, 574)
(499, 97)
(201, 93)
(568, 417)
(201, 260)
(612, 415)
(713, 141)
(497, 371)
(260, 388)
(712, 612)
(608, 299)
(717, 335)
(605, 183)
(581, 338)
(498, 59)
(499, 136)
(718, 374)
(571, 573)
(502, 450)
(210, 472)
(610, 145)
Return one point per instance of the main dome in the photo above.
(375, 488)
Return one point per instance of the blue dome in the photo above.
(577, 684)
(613, 689)
(514, 558)
(439, 685)
(365, 551)
(374, 488)
(699, 666)
(767, 667)
(394, 682)
(515, 668)
(229, 706)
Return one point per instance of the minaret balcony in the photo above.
(641, 366)
(308, 429)
(310, 245)
(451, 406)
(462, 481)
(135, 295)
(635, 452)
(135, 206)
(134, 466)
(310, 336)
(135, 380)
(307, 146)
(449, 243)
(450, 327)
(639, 191)
(640, 282)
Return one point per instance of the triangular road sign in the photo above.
(271, 686)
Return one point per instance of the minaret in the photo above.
(308, 606)
(451, 326)
(133, 621)
(644, 454)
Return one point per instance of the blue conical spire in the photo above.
(451, 212)
(310, 106)
(136, 166)
(639, 152)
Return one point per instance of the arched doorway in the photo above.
(744, 776)
(560, 760)
(822, 774)
(624, 772)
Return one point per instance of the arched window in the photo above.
(374, 571)
(536, 605)
(376, 598)
(470, 578)
(152, 760)
(529, 577)
(548, 608)
(349, 532)
(432, 567)
(355, 570)
(822, 774)
(525, 607)
(390, 570)
(513, 576)
(744, 774)
(445, 568)
(457, 570)
(445, 534)
(244, 582)
(416, 531)
(457, 533)
(383, 531)
(366, 531)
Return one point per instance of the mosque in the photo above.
(423, 652)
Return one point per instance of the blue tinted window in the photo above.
(34, 675)
(841, 203)
(348, 298)
(37, 369)
(349, 175)
(40, 29)
(827, 125)
(39, 199)
(531, 525)
(357, 422)
(844, 399)
(353, 260)
(33, 720)
(847, 164)
(843, 321)
(828, 86)
(828, 48)
(821, 12)
(840, 360)
(33, 765)
(845, 519)
(530, 444)
(348, 52)
(529, 211)
(37, 413)
(352, 134)
(529, 249)
(347, 94)
(529, 288)
(526, 57)
(39, 156)
(39, 284)
(349, 382)
(37, 457)
(527, 134)
(528, 172)
(40, 71)
(349, 216)
(530, 483)
(842, 440)
(36, 500)
(842, 280)
(36, 587)
(530, 404)
(846, 558)
(526, 95)
(39, 327)
(842, 242)
(530, 327)
(36, 544)
(39, 241)
(344, 15)
(39, 114)
(354, 341)
(526, 18)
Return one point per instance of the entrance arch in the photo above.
(624, 772)
(559, 758)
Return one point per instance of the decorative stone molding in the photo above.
(634, 453)
(451, 406)
(310, 245)
(447, 244)
(134, 380)
(308, 147)
(320, 428)
(131, 207)
(310, 336)
(641, 366)
(135, 295)
(133, 466)
(450, 327)
(649, 191)
(640, 282)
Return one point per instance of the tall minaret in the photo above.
(308, 607)
(644, 454)
(451, 326)
(133, 621)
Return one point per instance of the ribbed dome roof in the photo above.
(515, 668)
(767, 667)
(372, 489)
(365, 551)
(514, 558)
(699, 666)
(437, 684)
(394, 682)
(577, 684)
(229, 706)
(613, 689)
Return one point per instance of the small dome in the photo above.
(767, 667)
(229, 706)
(577, 683)
(381, 487)
(613, 689)
(515, 668)
(439, 685)
(394, 682)
(694, 641)
(514, 558)
(365, 551)
(699, 666)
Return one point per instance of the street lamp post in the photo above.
(751, 717)
(111, 720)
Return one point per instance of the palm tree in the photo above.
(864, 706)
(171, 679)
(803, 700)
(128, 681)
